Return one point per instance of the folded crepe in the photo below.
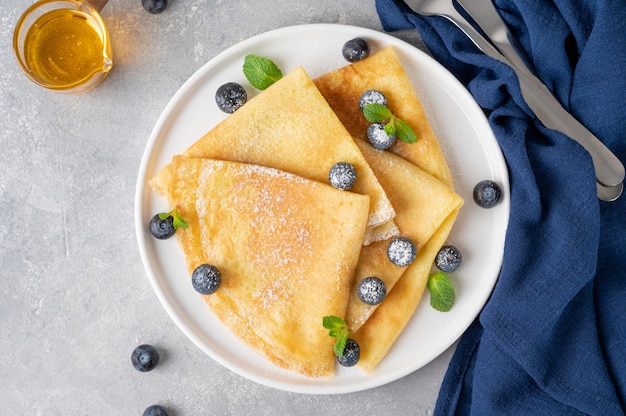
(291, 127)
(381, 330)
(378, 328)
(383, 71)
(286, 246)
(422, 204)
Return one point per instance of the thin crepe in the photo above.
(383, 71)
(422, 204)
(287, 248)
(291, 127)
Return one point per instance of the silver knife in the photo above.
(609, 169)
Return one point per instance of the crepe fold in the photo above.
(383, 71)
(291, 127)
(419, 183)
(422, 204)
(286, 246)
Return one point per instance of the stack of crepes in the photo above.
(292, 249)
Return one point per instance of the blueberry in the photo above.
(372, 97)
(372, 290)
(351, 354)
(154, 6)
(448, 259)
(342, 175)
(144, 358)
(155, 410)
(401, 251)
(487, 194)
(230, 97)
(206, 279)
(355, 49)
(379, 138)
(162, 228)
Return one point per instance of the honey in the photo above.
(64, 48)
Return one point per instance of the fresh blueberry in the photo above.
(448, 259)
(355, 49)
(162, 228)
(372, 290)
(206, 279)
(351, 354)
(379, 138)
(372, 97)
(342, 175)
(154, 6)
(487, 194)
(144, 358)
(155, 410)
(230, 97)
(401, 251)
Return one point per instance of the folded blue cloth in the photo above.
(552, 338)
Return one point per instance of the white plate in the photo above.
(467, 141)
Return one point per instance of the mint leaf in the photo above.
(404, 132)
(442, 293)
(260, 72)
(375, 113)
(178, 221)
(390, 128)
(338, 328)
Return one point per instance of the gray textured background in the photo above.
(74, 297)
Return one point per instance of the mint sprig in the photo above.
(378, 113)
(178, 221)
(375, 112)
(338, 328)
(260, 72)
(442, 293)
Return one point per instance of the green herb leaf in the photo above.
(404, 132)
(260, 72)
(390, 128)
(375, 113)
(178, 221)
(338, 328)
(442, 293)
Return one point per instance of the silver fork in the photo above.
(609, 170)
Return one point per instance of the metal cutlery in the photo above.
(609, 170)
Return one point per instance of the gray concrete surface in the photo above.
(74, 297)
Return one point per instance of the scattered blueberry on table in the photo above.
(154, 6)
(155, 410)
(144, 358)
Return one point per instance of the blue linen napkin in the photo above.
(552, 338)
